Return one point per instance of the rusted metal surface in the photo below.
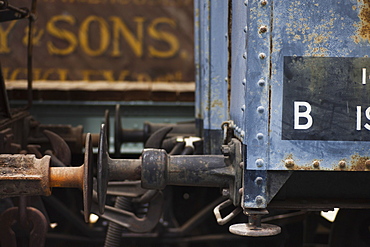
(355, 163)
(24, 175)
(363, 32)
(67, 177)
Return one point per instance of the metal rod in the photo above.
(67, 177)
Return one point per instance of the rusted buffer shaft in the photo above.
(27, 175)
(71, 177)
(160, 169)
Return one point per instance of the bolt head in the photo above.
(259, 162)
(261, 83)
(342, 164)
(258, 181)
(289, 163)
(316, 164)
(242, 133)
(261, 109)
(262, 55)
(241, 164)
(263, 29)
(259, 200)
(225, 192)
(260, 136)
(367, 164)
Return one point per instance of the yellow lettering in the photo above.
(62, 34)
(4, 47)
(86, 74)
(95, 75)
(108, 75)
(167, 37)
(60, 73)
(36, 36)
(6, 73)
(119, 27)
(17, 72)
(84, 35)
(123, 74)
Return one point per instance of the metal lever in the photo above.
(217, 213)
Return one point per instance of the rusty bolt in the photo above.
(263, 29)
(289, 163)
(263, 2)
(259, 200)
(367, 164)
(262, 55)
(241, 164)
(225, 192)
(258, 181)
(342, 164)
(316, 164)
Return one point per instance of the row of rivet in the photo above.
(261, 83)
(289, 163)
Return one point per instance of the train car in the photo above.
(280, 134)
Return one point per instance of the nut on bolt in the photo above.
(263, 29)
(367, 164)
(289, 163)
(225, 192)
(316, 164)
(342, 164)
(259, 200)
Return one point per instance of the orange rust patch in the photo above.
(358, 163)
(364, 26)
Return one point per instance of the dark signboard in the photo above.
(103, 40)
(326, 99)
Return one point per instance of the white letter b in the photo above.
(303, 114)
